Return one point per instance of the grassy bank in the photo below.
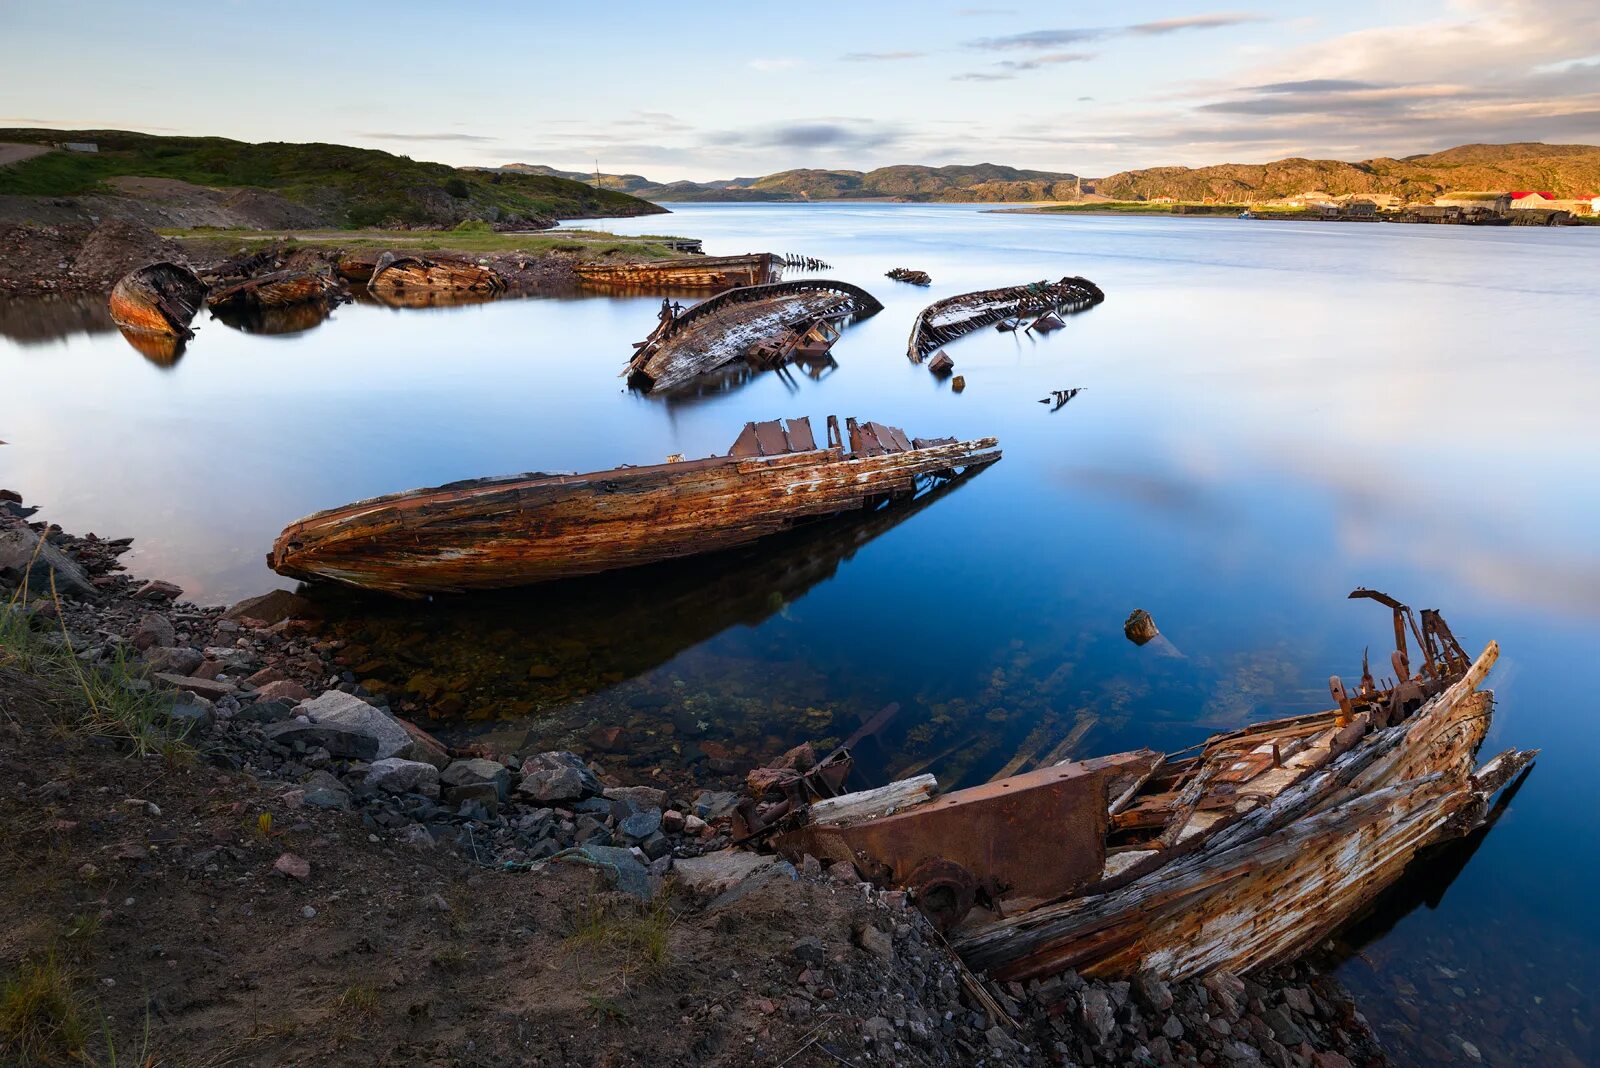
(352, 187)
(584, 242)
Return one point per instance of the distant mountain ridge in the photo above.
(987, 182)
(1566, 170)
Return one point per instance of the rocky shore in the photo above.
(307, 871)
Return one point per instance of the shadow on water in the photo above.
(536, 654)
(291, 319)
(38, 320)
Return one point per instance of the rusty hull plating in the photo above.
(1244, 855)
(523, 529)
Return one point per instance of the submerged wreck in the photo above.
(158, 300)
(909, 275)
(945, 320)
(279, 289)
(1242, 854)
(523, 529)
(766, 325)
(398, 273)
(688, 272)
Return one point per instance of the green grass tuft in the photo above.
(40, 1013)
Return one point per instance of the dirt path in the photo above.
(11, 152)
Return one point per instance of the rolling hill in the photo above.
(981, 182)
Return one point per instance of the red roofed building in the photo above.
(1531, 198)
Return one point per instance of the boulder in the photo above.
(475, 772)
(154, 630)
(273, 607)
(31, 561)
(354, 724)
(556, 777)
(641, 825)
(190, 712)
(177, 660)
(157, 590)
(269, 710)
(716, 873)
(637, 797)
(712, 805)
(621, 868)
(323, 790)
(398, 776)
(210, 689)
(283, 690)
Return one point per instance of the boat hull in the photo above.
(689, 272)
(158, 300)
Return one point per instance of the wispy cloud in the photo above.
(1214, 21)
(1045, 60)
(849, 134)
(1043, 39)
(1314, 85)
(880, 57)
(981, 76)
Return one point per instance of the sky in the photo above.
(707, 90)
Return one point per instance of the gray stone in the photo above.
(32, 560)
(622, 869)
(558, 760)
(712, 805)
(273, 607)
(482, 794)
(880, 1030)
(1099, 1021)
(1227, 993)
(178, 660)
(476, 771)
(210, 689)
(268, 711)
(397, 776)
(1284, 1029)
(359, 730)
(639, 797)
(552, 785)
(807, 949)
(1173, 1028)
(875, 942)
(323, 790)
(716, 873)
(190, 713)
(158, 590)
(641, 825)
(1152, 992)
(154, 630)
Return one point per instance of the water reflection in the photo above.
(163, 350)
(722, 381)
(44, 319)
(289, 319)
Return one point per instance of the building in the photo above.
(1499, 203)
(1531, 198)
(1361, 209)
(79, 146)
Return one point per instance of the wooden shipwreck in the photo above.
(688, 272)
(522, 529)
(909, 275)
(1009, 307)
(158, 300)
(279, 289)
(766, 325)
(1245, 853)
(399, 273)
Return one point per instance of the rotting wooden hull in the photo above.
(357, 266)
(736, 324)
(280, 289)
(513, 531)
(946, 320)
(689, 272)
(396, 274)
(158, 300)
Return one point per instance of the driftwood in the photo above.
(158, 300)
(523, 529)
(766, 324)
(689, 272)
(396, 272)
(280, 289)
(945, 320)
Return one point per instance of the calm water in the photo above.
(1273, 413)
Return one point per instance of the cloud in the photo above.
(1193, 22)
(1047, 59)
(880, 57)
(981, 76)
(1043, 39)
(849, 134)
(1038, 39)
(380, 136)
(776, 63)
(1314, 85)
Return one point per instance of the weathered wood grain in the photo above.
(688, 272)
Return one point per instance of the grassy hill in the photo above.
(348, 187)
(985, 182)
(1567, 170)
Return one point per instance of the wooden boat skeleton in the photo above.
(400, 272)
(279, 289)
(751, 321)
(687, 272)
(945, 320)
(1242, 855)
(157, 300)
(522, 529)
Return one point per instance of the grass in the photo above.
(102, 701)
(451, 959)
(591, 242)
(367, 187)
(637, 933)
(358, 999)
(41, 1016)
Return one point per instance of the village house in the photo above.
(1499, 203)
(1532, 198)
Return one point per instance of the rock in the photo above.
(1094, 1010)
(1151, 992)
(210, 689)
(879, 1030)
(323, 790)
(398, 776)
(292, 866)
(712, 805)
(345, 726)
(696, 826)
(1140, 628)
(273, 607)
(157, 590)
(808, 949)
(178, 660)
(190, 712)
(552, 785)
(639, 797)
(154, 630)
(875, 942)
(475, 772)
(1173, 1028)
(271, 710)
(718, 872)
(1227, 993)
(416, 836)
(1284, 1029)
(1330, 1060)
(640, 825)
(563, 761)
(31, 561)
(270, 673)
(622, 869)
(772, 873)
(283, 690)
(1298, 998)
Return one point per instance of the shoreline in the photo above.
(461, 867)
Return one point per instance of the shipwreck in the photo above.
(765, 325)
(1007, 308)
(159, 300)
(688, 272)
(397, 274)
(1243, 852)
(909, 275)
(523, 529)
(279, 289)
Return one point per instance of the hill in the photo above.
(985, 182)
(320, 184)
(1566, 170)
